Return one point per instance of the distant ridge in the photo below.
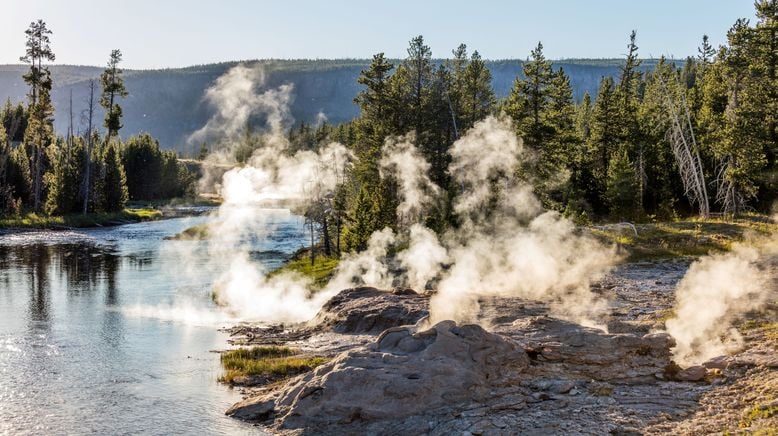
(168, 102)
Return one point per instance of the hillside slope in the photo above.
(168, 103)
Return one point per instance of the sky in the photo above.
(166, 33)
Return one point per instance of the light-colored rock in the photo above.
(692, 373)
(252, 409)
(370, 310)
(402, 373)
(570, 350)
(719, 362)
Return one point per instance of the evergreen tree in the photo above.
(419, 66)
(142, 161)
(374, 101)
(113, 87)
(475, 91)
(706, 52)
(14, 120)
(6, 191)
(603, 141)
(111, 185)
(362, 225)
(39, 133)
(528, 99)
(584, 117)
(734, 119)
(622, 187)
(18, 176)
(63, 181)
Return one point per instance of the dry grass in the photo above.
(273, 362)
(691, 237)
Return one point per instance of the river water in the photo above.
(111, 331)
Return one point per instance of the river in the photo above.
(112, 331)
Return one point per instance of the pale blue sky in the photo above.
(159, 33)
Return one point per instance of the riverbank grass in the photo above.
(269, 362)
(320, 272)
(690, 237)
(39, 221)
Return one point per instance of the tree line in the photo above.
(699, 138)
(88, 171)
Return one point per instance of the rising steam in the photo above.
(505, 243)
(715, 292)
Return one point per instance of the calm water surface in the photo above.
(110, 331)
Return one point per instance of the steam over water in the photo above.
(109, 331)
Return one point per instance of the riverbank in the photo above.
(136, 211)
(383, 368)
(33, 221)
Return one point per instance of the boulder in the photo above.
(402, 374)
(367, 310)
(566, 349)
(252, 409)
(692, 373)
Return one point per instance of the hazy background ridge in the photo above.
(168, 102)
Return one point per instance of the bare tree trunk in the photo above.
(684, 147)
(88, 148)
(70, 127)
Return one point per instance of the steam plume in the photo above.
(715, 292)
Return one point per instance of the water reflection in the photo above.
(76, 267)
(72, 360)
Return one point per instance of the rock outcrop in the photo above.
(566, 349)
(370, 310)
(402, 372)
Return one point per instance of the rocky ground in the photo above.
(528, 373)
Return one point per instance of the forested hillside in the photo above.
(168, 103)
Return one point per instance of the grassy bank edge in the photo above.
(44, 222)
(692, 237)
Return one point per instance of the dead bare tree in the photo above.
(70, 126)
(89, 140)
(680, 135)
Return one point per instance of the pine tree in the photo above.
(706, 52)
(622, 187)
(6, 191)
(361, 224)
(18, 176)
(64, 179)
(456, 91)
(374, 101)
(40, 130)
(113, 87)
(14, 120)
(737, 127)
(111, 184)
(419, 66)
(529, 97)
(604, 139)
(477, 96)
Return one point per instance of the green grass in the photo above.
(691, 237)
(36, 221)
(320, 272)
(271, 361)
